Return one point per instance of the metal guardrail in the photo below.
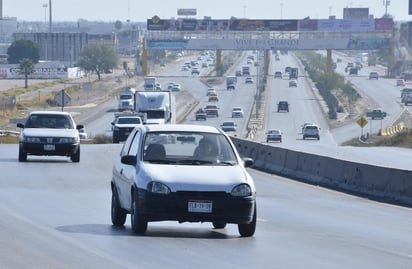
(9, 133)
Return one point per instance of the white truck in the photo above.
(149, 83)
(158, 106)
(126, 99)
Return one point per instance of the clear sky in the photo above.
(139, 10)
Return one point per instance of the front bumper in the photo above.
(40, 149)
(225, 208)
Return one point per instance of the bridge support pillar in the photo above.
(145, 68)
(329, 61)
(219, 67)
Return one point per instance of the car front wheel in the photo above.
(139, 225)
(76, 157)
(22, 155)
(118, 214)
(247, 230)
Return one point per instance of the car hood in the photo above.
(198, 177)
(127, 125)
(45, 132)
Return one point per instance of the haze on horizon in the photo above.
(124, 10)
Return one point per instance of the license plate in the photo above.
(199, 206)
(49, 147)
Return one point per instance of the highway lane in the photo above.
(304, 106)
(61, 219)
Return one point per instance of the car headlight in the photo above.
(69, 139)
(157, 187)
(241, 190)
(32, 139)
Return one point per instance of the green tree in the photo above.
(118, 25)
(26, 68)
(23, 49)
(97, 58)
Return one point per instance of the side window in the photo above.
(134, 147)
(126, 146)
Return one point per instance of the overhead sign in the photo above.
(324, 25)
(357, 43)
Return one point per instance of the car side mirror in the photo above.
(20, 125)
(129, 160)
(248, 162)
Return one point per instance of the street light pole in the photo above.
(45, 13)
(386, 3)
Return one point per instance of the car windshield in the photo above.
(129, 121)
(49, 121)
(188, 148)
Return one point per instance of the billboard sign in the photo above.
(356, 13)
(324, 25)
(187, 12)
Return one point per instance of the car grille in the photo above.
(201, 195)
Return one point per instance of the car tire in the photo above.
(247, 230)
(22, 155)
(118, 214)
(139, 225)
(76, 157)
(219, 224)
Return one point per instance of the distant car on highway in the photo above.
(310, 131)
(195, 71)
(373, 75)
(213, 98)
(293, 83)
(249, 80)
(283, 106)
(400, 82)
(158, 176)
(237, 112)
(49, 133)
(278, 74)
(229, 126)
(83, 133)
(273, 135)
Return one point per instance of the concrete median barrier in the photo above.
(378, 183)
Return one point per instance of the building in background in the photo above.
(63, 47)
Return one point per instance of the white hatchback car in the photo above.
(184, 173)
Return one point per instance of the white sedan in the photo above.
(184, 173)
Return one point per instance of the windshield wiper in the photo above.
(195, 162)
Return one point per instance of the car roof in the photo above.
(273, 130)
(51, 113)
(180, 127)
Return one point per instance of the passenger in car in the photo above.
(155, 152)
(205, 150)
